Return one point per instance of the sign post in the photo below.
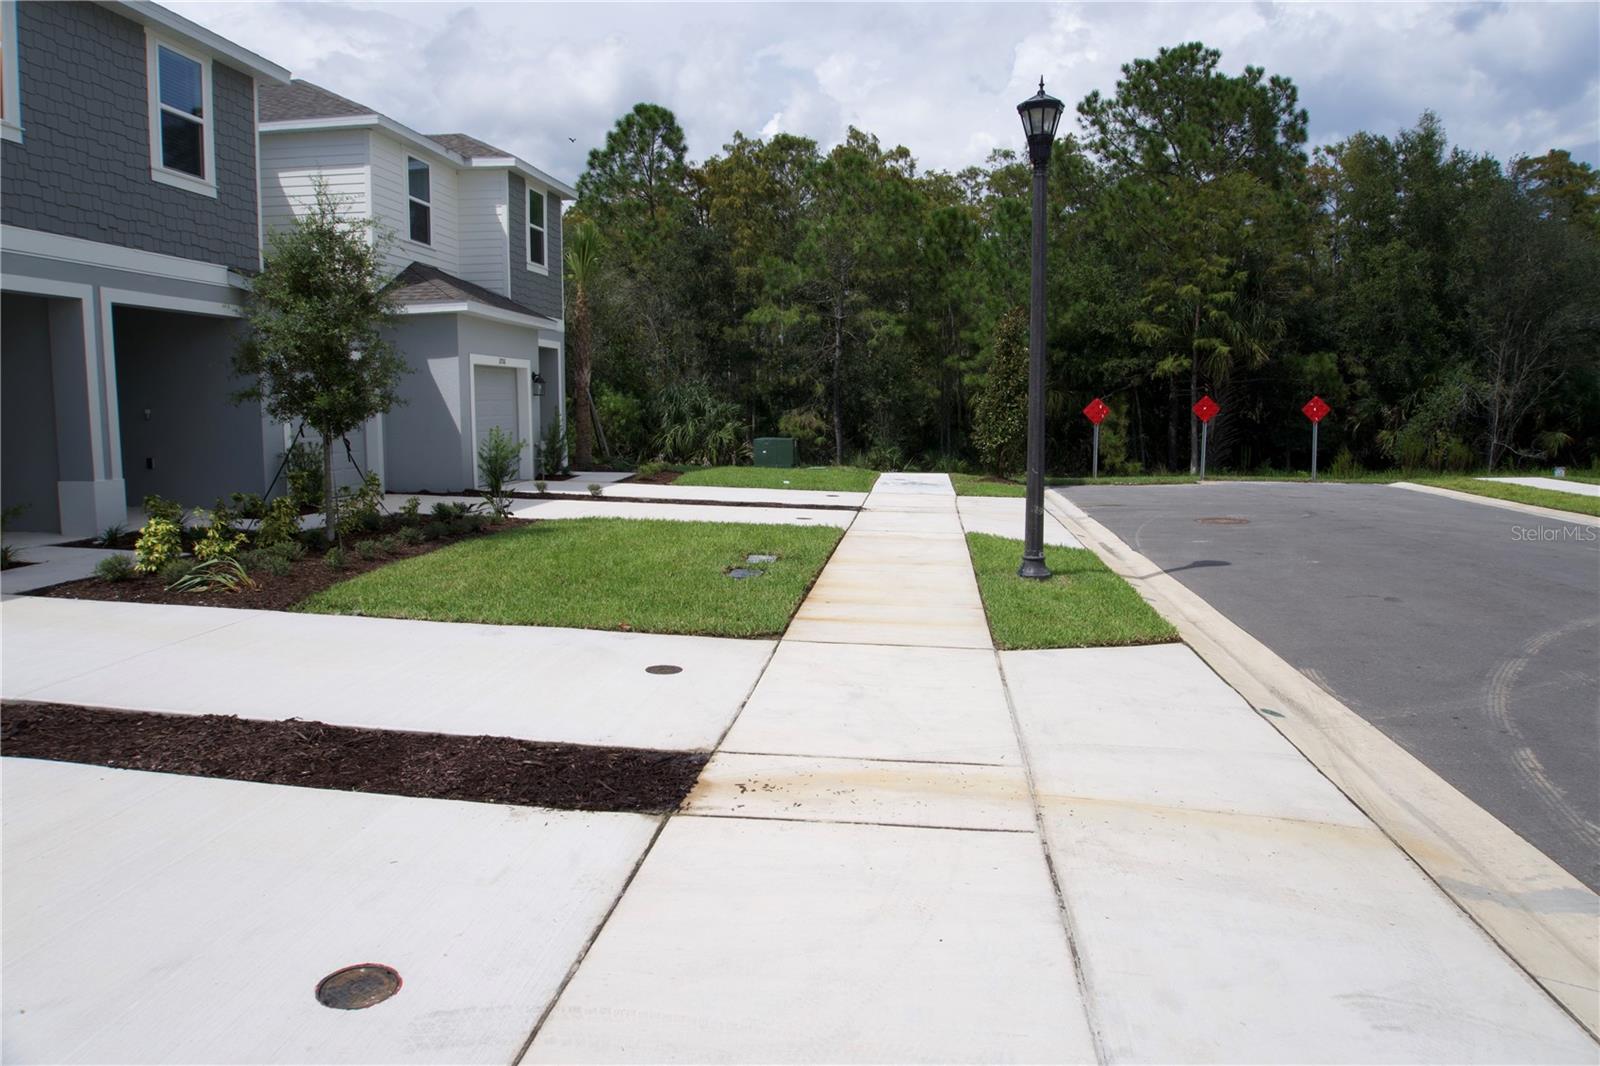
(1205, 409)
(1315, 409)
(1096, 412)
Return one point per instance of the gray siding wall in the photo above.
(83, 169)
(540, 293)
(198, 443)
(423, 437)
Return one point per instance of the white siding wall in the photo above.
(291, 161)
(392, 205)
(485, 251)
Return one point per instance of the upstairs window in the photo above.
(420, 190)
(181, 136)
(536, 249)
(10, 109)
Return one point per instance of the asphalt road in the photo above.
(1469, 634)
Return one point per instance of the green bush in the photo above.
(621, 415)
(1000, 415)
(219, 540)
(436, 529)
(389, 545)
(552, 458)
(246, 505)
(361, 508)
(111, 534)
(276, 565)
(499, 456)
(114, 568)
(410, 509)
(1345, 465)
(220, 572)
(160, 541)
(411, 535)
(305, 476)
(367, 550)
(334, 559)
(279, 524)
(160, 507)
(174, 570)
(812, 433)
(697, 426)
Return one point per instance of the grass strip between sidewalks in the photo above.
(1083, 605)
(819, 478)
(1502, 490)
(639, 575)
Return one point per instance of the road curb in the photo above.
(1545, 919)
(1495, 501)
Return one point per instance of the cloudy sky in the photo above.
(547, 80)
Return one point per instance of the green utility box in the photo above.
(775, 451)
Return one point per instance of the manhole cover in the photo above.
(663, 668)
(1223, 520)
(355, 987)
(760, 558)
(742, 572)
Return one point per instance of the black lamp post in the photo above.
(1040, 113)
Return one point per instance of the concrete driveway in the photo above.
(1468, 633)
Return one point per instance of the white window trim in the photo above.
(11, 119)
(428, 203)
(544, 230)
(206, 186)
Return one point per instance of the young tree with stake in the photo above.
(315, 352)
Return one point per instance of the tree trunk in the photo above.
(582, 371)
(838, 400)
(330, 499)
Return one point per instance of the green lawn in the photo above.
(1500, 490)
(1083, 605)
(824, 478)
(600, 573)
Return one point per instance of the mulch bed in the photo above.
(481, 769)
(306, 577)
(660, 477)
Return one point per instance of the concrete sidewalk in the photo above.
(909, 848)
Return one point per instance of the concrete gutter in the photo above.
(1545, 919)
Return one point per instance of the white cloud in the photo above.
(942, 79)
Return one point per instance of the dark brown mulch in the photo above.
(660, 477)
(392, 762)
(305, 577)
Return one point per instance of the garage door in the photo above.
(496, 400)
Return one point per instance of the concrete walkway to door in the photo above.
(908, 848)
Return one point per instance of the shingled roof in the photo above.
(301, 99)
(470, 147)
(420, 283)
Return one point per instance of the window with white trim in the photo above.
(419, 190)
(536, 223)
(182, 141)
(10, 102)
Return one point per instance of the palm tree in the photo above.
(583, 267)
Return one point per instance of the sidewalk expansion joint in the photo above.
(847, 821)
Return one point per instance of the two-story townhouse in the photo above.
(474, 240)
(129, 224)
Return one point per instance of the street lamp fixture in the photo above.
(1040, 115)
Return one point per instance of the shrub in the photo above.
(499, 456)
(246, 505)
(114, 568)
(409, 509)
(389, 545)
(359, 509)
(436, 529)
(1345, 464)
(411, 535)
(110, 535)
(219, 539)
(280, 523)
(160, 507)
(276, 565)
(539, 486)
(594, 490)
(553, 448)
(221, 572)
(160, 542)
(334, 559)
(697, 426)
(445, 510)
(174, 570)
(1000, 416)
(622, 416)
(8, 557)
(305, 476)
(291, 550)
(367, 550)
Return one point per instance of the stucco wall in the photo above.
(83, 168)
(423, 437)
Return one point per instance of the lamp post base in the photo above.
(1033, 567)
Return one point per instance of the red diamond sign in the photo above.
(1096, 411)
(1316, 409)
(1206, 409)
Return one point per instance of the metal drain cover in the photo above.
(760, 558)
(663, 668)
(1223, 520)
(742, 572)
(355, 987)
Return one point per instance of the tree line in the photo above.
(1445, 304)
